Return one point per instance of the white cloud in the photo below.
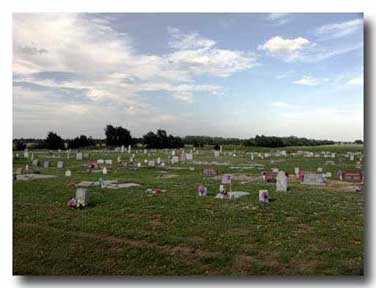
(307, 81)
(285, 48)
(278, 18)
(337, 30)
(358, 81)
(198, 55)
(280, 104)
(188, 41)
(106, 65)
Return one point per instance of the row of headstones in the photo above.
(297, 170)
(46, 163)
(309, 178)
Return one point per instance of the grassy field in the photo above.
(310, 230)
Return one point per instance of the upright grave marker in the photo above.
(281, 182)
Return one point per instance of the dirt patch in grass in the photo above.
(304, 227)
(340, 186)
(167, 176)
(291, 219)
(243, 264)
(189, 253)
(301, 265)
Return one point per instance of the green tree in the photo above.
(54, 141)
(117, 136)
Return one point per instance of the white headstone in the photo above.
(264, 196)
(296, 170)
(216, 154)
(82, 195)
(319, 169)
(68, 173)
(104, 171)
(174, 159)
(281, 182)
(79, 156)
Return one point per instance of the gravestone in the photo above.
(108, 161)
(216, 154)
(202, 190)
(313, 179)
(174, 159)
(26, 154)
(82, 195)
(79, 156)
(264, 196)
(319, 170)
(118, 159)
(86, 155)
(138, 164)
(35, 162)
(100, 161)
(189, 156)
(68, 173)
(46, 163)
(275, 170)
(226, 179)
(281, 182)
(351, 157)
(104, 171)
(151, 163)
(60, 164)
(158, 160)
(327, 174)
(19, 171)
(296, 170)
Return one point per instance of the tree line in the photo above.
(118, 136)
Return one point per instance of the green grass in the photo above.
(306, 231)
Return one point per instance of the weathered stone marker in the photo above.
(281, 182)
(264, 196)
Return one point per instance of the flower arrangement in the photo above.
(73, 203)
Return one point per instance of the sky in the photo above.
(228, 75)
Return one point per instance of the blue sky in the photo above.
(231, 75)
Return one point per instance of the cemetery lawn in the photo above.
(310, 230)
